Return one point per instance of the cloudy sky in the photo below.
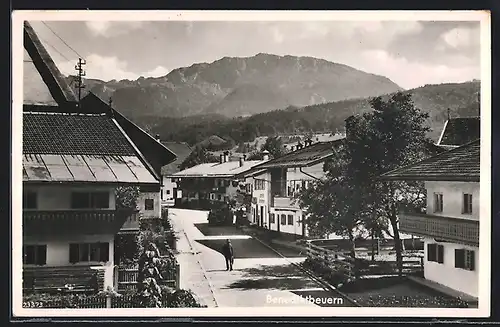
(410, 53)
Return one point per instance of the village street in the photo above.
(261, 277)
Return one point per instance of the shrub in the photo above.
(183, 299)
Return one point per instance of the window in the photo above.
(283, 220)
(290, 219)
(149, 204)
(89, 252)
(30, 200)
(435, 253)
(272, 219)
(172, 180)
(35, 254)
(465, 259)
(89, 200)
(438, 202)
(168, 192)
(226, 183)
(467, 204)
(260, 184)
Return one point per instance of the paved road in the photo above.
(261, 277)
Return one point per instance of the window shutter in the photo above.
(430, 252)
(459, 258)
(104, 252)
(73, 253)
(41, 255)
(440, 254)
(472, 260)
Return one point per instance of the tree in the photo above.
(390, 136)
(274, 145)
(198, 156)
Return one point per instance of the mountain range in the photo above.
(240, 87)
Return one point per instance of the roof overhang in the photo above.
(441, 178)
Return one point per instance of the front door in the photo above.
(261, 216)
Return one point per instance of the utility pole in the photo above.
(81, 73)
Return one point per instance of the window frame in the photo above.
(467, 207)
(86, 251)
(272, 218)
(465, 259)
(435, 253)
(91, 199)
(438, 202)
(289, 220)
(37, 260)
(147, 206)
(26, 198)
(283, 219)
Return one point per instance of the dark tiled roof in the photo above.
(57, 133)
(460, 131)
(181, 150)
(303, 157)
(458, 164)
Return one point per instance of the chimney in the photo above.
(157, 137)
(226, 156)
(242, 160)
(221, 158)
(265, 155)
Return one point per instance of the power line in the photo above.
(55, 49)
(60, 38)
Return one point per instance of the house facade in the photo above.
(170, 188)
(75, 156)
(450, 223)
(202, 184)
(276, 182)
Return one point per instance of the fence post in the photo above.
(108, 301)
(177, 276)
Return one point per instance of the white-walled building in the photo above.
(450, 225)
(208, 182)
(75, 155)
(275, 183)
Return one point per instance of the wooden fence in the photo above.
(353, 268)
(337, 261)
(126, 278)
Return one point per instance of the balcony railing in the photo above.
(284, 202)
(463, 231)
(73, 221)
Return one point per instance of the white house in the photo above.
(275, 183)
(169, 186)
(207, 182)
(75, 155)
(450, 225)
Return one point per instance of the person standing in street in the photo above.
(227, 251)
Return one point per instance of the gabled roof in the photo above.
(62, 147)
(460, 131)
(182, 150)
(156, 153)
(310, 155)
(458, 164)
(225, 169)
(58, 87)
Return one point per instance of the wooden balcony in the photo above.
(284, 202)
(64, 222)
(462, 231)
